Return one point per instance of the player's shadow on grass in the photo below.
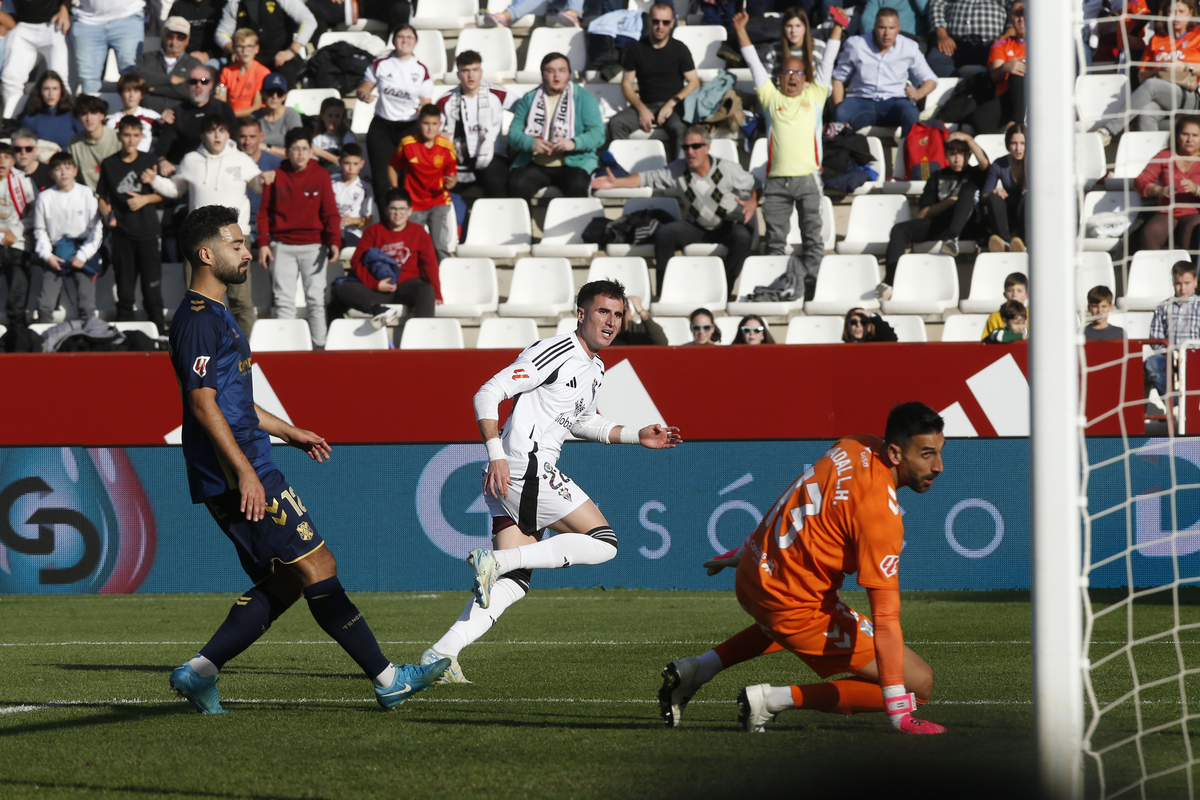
(232, 672)
(154, 791)
(109, 667)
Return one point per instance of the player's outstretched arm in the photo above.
(317, 448)
(209, 415)
(656, 437)
(898, 701)
(730, 559)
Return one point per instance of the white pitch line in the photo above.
(608, 643)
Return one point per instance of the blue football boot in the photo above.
(409, 680)
(200, 692)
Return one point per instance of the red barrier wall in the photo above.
(772, 392)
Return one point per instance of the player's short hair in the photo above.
(1016, 279)
(90, 104)
(605, 288)
(1099, 294)
(549, 58)
(212, 122)
(1182, 268)
(1013, 309)
(351, 149)
(396, 193)
(201, 226)
(131, 80)
(244, 35)
(61, 157)
(6, 149)
(907, 420)
(129, 121)
(430, 110)
(296, 135)
(958, 146)
(466, 58)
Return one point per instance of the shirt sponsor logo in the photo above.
(200, 366)
(519, 374)
(889, 566)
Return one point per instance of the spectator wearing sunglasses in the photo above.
(753, 330)
(704, 328)
(861, 326)
(181, 133)
(25, 150)
(166, 71)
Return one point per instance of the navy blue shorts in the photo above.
(285, 533)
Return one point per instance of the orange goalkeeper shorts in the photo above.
(831, 642)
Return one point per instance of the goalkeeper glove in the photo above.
(900, 706)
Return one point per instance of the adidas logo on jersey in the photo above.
(571, 383)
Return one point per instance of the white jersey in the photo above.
(399, 85)
(553, 384)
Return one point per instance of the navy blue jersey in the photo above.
(208, 350)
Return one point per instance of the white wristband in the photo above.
(894, 691)
(630, 435)
(495, 449)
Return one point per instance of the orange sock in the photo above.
(750, 643)
(847, 696)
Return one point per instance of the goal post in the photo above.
(1055, 432)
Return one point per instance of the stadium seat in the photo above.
(899, 184)
(1149, 280)
(845, 282)
(543, 41)
(447, 15)
(278, 335)
(630, 270)
(496, 333)
(112, 72)
(367, 41)
(431, 333)
(759, 155)
(870, 224)
(987, 281)
(41, 327)
(1091, 164)
(633, 205)
(635, 155)
(814, 330)
(908, 327)
(992, 145)
(527, 21)
(762, 271)
(1098, 97)
(609, 96)
(728, 327)
(360, 118)
(541, 287)
(1107, 202)
(565, 325)
(925, 284)
(431, 51)
(964, 327)
(307, 102)
(356, 334)
(691, 283)
(3, 330)
(703, 41)
(145, 326)
(507, 234)
(722, 148)
(677, 329)
(566, 217)
(939, 95)
(1096, 269)
(469, 287)
(1135, 150)
(878, 163)
(495, 45)
(1135, 323)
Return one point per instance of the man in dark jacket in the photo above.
(182, 136)
(165, 71)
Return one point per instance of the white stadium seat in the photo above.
(758, 159)
(279, 335)
(845, 282)
(1104, 203)
(1100, 96)
(431, 333)
(987, 281)
(1090, 163)
(691, 283)
(900, 184)
(543, 41)
(728, 327)
(677, 329)
(633, 205)
(925, 284)
(495, 45)
(527, 21)
(41, 327)
(541, 287)
(1149, 279)
(635, 155)
(871, 221)
(964, 327)
(496, 333)
(814, 330)
(1135, 323)
(565, 325)
(566, 218)
(431, 51)
(703, 41)
(356, 334)
(363, 41)
(446, 15)
(145, 326)
(360, 118)
(629, 270)
(1135, 151)
(992, 145)
(1096, 269)
(308, 101)
(469, 287)
(610, 98)
(943, 90)
(762, 271)
(908, 327)
(502, 229)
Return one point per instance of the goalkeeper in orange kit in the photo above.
(839, 518)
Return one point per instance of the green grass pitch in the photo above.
(562, 705)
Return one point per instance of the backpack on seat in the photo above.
(925, 150)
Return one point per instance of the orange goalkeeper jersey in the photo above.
(840, 517)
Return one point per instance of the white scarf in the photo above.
(480, 124)
(562, 126)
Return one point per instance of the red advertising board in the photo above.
(769, 392)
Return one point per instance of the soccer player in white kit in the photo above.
(553, 384)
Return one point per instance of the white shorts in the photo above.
(537, 498)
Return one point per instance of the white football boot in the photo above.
(453, 673)
(752, 708)
(678, 686)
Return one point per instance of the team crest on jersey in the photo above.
(305, 530)
(579, 406)
(595, 386)
(889, 566)
(270, 6)
(200, 366)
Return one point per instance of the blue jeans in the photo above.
(520, 8)
(91, 42)
(860, 112)
(1156, 373)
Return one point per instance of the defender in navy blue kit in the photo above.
(227, 447)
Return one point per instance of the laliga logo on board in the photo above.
(73, 521)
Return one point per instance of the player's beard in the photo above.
(232, 273)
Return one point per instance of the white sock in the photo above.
(779, 698)
(203, 667)
(386, 677)
(475, 621)
(707, 666)
(561, 550)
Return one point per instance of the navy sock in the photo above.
(250, 617)
(340, 618)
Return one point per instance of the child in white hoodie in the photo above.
(67, 232)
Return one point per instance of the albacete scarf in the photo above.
(480, 117)
(562, 126)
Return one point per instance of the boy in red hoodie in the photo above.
(416, 286)
(299, 227)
